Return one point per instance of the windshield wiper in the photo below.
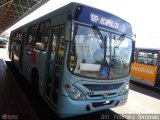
(121, 38)
(97, 32)
(103, 39)
(104, 71)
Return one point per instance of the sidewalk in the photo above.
(13, 104)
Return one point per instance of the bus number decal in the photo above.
(89, 93)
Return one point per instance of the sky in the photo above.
(142, 14)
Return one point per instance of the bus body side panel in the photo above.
(40, 65)
(40, 59)
(33, 58)
(143, 73)
(36, 59)
(26, 66)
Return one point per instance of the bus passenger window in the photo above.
(17, 38)
(44, 34)
(54, 45)
(147, 58)
(53, 51)
(60, 53)
(61, 48)
(32, 36)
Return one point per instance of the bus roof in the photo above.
(87, 14)
(148, 49)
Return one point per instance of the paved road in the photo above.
(13, 103)
(142, 100)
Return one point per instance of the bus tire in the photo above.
(35, 81)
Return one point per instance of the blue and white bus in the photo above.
(76, 57)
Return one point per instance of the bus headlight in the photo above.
(77, 96)
(125, 90)
(127, 87)
(73, 92)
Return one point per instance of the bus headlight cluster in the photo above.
(125, 90)
(127, 87)
(77, 96)
(74, 93)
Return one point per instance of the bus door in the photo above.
(55, 65)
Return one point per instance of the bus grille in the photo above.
(102, 87)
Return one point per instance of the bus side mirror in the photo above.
(40, 46)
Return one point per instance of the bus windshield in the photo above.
(92, 57)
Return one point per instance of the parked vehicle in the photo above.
(146, 66)
(3, 42)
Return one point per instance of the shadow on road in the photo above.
(44, 112)
(145, 89)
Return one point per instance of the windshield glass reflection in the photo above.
(90, 57)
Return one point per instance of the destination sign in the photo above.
(103, 21)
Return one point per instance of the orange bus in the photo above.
(146, 66)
